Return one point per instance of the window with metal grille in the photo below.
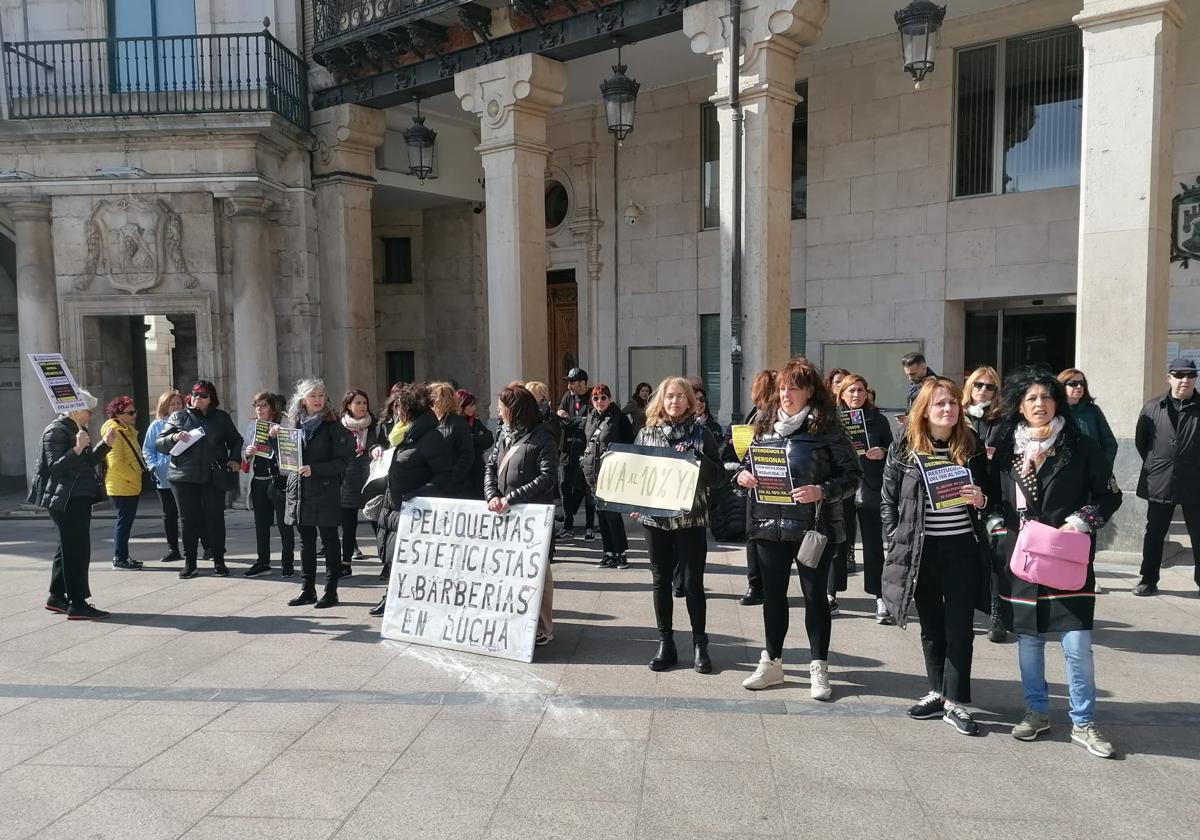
(799, 331)
(401, 366)
(710, 360)
(397, 259)
(800, 154)
(710, 168)
(1025, 132)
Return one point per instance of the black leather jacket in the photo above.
(600, 431)
(530, 476)
(65, 473)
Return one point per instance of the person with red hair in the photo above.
(123, 477)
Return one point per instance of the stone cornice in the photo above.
(1103, 12)
(528, 82)
(347, 137)
(788, 24)
(246, 206)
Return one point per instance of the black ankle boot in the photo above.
(308, 595)
(378, 609)
(703, 663)
(996, 631)
(219, 567)
(329, 597)
(189, 568)
(386, 571)
(667, 654)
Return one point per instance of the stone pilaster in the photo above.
(1125, 226)
(511, 99)
(343, 177)
(772, 34)
(37, 316)
(255, 349)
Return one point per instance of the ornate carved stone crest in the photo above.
(134, 240)
(1185, 224)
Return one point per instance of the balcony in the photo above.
(185, 74)
(335, 21)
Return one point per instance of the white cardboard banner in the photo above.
(57, 381)
(468, 579)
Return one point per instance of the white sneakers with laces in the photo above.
(768, 673)
(818, 687)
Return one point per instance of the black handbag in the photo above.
(223, 478)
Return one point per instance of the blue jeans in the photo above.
(126, 512)
(1081, 673)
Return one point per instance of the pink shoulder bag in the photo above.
(1049, 557)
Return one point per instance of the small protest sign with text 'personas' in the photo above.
(57, 382)
(468, 579)
(769, 466)
(944, 480)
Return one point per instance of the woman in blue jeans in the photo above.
(1051, 473)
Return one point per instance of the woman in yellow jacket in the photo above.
(123, 478)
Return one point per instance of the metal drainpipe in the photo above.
(616, 223)
(735, 306)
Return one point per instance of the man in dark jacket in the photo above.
(916, 370)
(573, 410)
(1168, 439)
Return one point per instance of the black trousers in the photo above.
(268, 510)
(308, 554)
(349, 534)
(687, 547)
(202, 507)
(945, 599)
(612, 532)
(753, 569)
(170, 518)
(69, 570)
(776, 560)
(870, 525)
(1158, 522)
(572, 497)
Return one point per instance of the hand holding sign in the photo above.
(82, 441)
(808, 494)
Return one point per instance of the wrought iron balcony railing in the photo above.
(183, 74)
(333, 19)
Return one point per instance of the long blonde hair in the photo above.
(993, 410)
(443, 399)
(962, 439)
(656, 412)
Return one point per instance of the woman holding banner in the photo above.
(267, 487)
(123, 476)
(672, 541)
(800, 428)
(871, 435)
(606, 424)
(421, 465)
(938, 553)
(67, 484)
(523, 469)
(168, 403)
(314, 491)
(202, 472)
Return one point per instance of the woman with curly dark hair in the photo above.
(802, 420)
(1049, 472)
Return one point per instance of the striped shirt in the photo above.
(949, 522)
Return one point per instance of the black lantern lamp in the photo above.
(919, 23)
(421, 143)
(620, 100)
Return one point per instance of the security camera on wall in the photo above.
(632, 214)
(477, 207)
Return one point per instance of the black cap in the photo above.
(576, 375)
(1179, 364)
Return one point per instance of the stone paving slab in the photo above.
(208, 708)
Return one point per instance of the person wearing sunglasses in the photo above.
(124, 469)
(1168, 439)
(606, 425)
(1088, 416)
(981, 405)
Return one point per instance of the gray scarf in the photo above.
(785, 425)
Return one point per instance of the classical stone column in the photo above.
(343, 177)
(772, 33)
(511, 99)
(1125, 193)
(37, 316)
(255, 350)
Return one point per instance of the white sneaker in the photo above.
(768, 673)
(818, 687)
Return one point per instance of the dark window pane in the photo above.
(710, 360)
(710, 167)
(397, 260)
(975, 120)
(800, 154)
(558, 203)
(981, 340)
(1043, 110)
(400, 366)
(799, 332)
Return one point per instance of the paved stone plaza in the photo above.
(209, 709)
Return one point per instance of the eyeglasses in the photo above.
(1183, 374)
(262, 405)
(984, 386)
(1076, 383)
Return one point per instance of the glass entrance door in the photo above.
(1008, 339)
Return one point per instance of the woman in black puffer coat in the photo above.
(802, 421)
(360, 424)
(481, 440)
(606, 424)
(422, 464)
(523, 469)
(314, 494)
(443, 399)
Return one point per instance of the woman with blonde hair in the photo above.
(939, 559)
(168, 403)
(981, 403)
(443, 399)
(671, 424)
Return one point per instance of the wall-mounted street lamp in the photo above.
(919, 24)
(421, 144)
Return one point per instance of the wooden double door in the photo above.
(562, 333)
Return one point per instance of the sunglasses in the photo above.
(130, 413)
(201, 395)
(1183, 374)
(1076, 383)
(600, 398)
(984, 386)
